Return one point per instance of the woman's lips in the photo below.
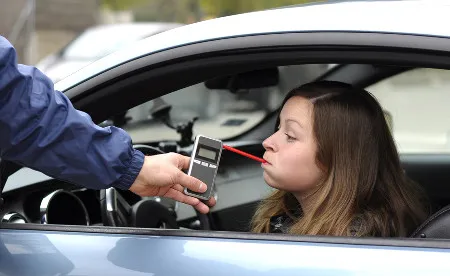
(267, 161)
(265, 165)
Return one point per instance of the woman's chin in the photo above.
(269, 181)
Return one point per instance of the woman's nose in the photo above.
(268, 144)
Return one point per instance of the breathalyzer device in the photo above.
(204, 164)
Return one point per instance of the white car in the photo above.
(95, 43)
(397, 50)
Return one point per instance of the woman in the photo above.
(335, 168)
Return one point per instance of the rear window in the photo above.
(418, 103)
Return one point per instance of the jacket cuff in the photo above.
(135, 166)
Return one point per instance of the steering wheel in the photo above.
(146, 213)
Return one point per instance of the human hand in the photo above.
(161, 175)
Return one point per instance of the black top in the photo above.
(282, 223)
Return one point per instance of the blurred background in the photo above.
(41, 29)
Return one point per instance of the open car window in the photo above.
(417, 103)
(225, 107)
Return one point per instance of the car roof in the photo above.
(134, 27)
(424, 18)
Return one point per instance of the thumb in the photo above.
(190, 182)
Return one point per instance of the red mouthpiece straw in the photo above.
(248, 155)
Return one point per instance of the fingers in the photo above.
(185, 180)
(211, 202)
(177, 195)
(190, 182)
(202, 208)
(178, 187)
(183, 161)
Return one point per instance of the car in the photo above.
(50, 227)
(96, 42)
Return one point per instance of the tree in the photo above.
(217, 8)
(182, 11)
(189, 11)
(120, 5)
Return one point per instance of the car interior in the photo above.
(240, 109)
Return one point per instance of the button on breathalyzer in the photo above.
(204, 163)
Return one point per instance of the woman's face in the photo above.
(291, 151)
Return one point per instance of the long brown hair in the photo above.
(363, 178)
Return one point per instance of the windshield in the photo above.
(98, 42)
(221, 114)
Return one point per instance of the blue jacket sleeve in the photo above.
(40, 129)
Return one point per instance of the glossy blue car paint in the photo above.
(27, 252)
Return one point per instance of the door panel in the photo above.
(25, 252)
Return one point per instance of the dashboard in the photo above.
(32, 197)
(51, 202)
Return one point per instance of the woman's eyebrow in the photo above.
(293, 121)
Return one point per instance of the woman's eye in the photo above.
(290, 138)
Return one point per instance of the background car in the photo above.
(95, 43)
(279, 50)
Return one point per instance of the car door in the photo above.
(121, 85)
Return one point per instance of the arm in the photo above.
(40, 129)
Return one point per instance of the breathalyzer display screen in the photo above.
(206, 153)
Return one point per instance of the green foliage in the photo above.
(217, 8)
(182, 11)
(189, 11)
(120, 5)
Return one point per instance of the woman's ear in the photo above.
(322, 167)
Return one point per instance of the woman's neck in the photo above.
(305, 199)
